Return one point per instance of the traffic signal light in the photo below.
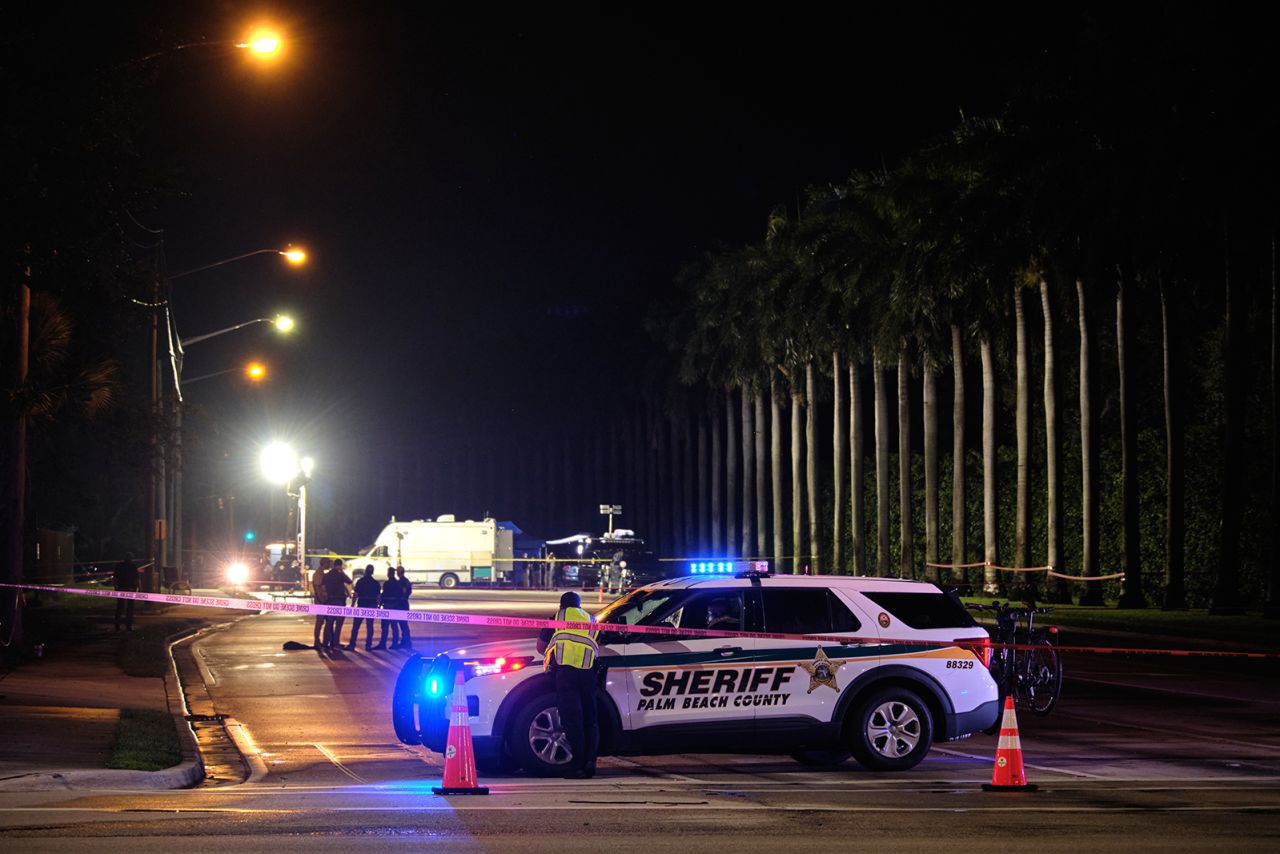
(249, 536)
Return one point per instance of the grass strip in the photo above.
(146, 740)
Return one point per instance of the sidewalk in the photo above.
(59, 715)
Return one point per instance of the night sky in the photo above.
(494, 198)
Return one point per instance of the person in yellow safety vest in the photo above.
(571, 659)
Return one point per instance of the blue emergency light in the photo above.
(711, 567)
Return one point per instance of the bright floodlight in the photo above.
(308, 466)
(237, 574)
(295, 256)
(283, 323)
(279, 462)
(262, 41)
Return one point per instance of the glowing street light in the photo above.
(283, 323)
(279, 462)
(263, 42)
(255, 372)
(293, 254)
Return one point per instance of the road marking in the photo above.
(1166, 731)
(460, 804)
(333, 757)
(651, 772)
(1081, 774)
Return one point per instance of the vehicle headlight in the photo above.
(237, 573)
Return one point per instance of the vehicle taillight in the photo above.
(493, 666)
(980, 647)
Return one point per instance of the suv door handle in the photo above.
(727, 651)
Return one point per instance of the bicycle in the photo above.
(1033, 676)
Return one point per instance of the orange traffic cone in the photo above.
(1008, 775)
(459, 758)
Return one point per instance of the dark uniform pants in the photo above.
(576, 699)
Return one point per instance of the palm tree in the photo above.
(857, 475)
(811, 473)
(775, 467)
(959, 522)
(1131, 596)
(1053, 488)
(1088, 456)
(748, 467)
(761, 476)
(930, 407)
(906, 563)
(882, 469)
(1022, 419)
(837, 462)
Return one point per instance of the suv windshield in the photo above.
(642, 607)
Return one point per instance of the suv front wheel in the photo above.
(536, 740)
(892, 730)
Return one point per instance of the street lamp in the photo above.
(254, 372)
(294, 255)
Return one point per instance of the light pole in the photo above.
(284, 324)
(281, 466)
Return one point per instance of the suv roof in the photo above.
(852, 582)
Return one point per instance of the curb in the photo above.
(184, 775)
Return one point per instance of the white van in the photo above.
(444, 552)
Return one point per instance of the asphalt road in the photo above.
(1143, 753)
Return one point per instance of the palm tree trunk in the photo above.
(1058, 587)
(687, 468)
(731, 475)
(797, 479)
(1175, 590)
(704, 486)
(1088, 456)
(990, 510)
(811, 455)
(1022, 419)
(1272, 606)
(716, 484)
(762, 478)
(748, 469)
(857, 489)
(906, 558)
(882, 470)
(1226, 593)
(958, 521)
(931, 553)
(13, 495)
(837, 462)
(673, 495)
(1131, 596)
(775, 457)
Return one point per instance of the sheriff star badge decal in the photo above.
(823, 671)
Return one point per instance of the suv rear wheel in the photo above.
(536, 740)
(892, 730)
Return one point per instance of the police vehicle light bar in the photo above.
(727, 567)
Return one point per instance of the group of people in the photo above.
(330, 585)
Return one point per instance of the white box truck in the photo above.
(444, 552)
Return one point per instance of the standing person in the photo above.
(318, 595)
(337, 587)
(367, 592)
(571, 658)
(126, 580)
(390, 600)
(406, 590)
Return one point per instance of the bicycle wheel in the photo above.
(1044, 677)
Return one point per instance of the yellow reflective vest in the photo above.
(572, 647)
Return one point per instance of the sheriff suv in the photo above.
(911, 673)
